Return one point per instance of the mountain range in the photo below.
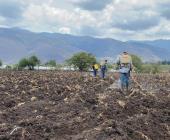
(16, 43)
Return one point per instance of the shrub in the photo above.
(82, 60)
(31, 62)
(137, 63)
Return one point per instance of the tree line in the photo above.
(83, 61)
(165, 62)
(30, 63)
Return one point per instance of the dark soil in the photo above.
(51, 105)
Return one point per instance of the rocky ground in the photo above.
(51, 105)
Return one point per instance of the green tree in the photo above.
(0, 63)
(31, 62)
(137, 62)
(51, 63)
(82, 60)
(23, 63)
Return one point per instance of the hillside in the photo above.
(17, 43)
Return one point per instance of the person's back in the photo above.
(96, 66)
(103, 67)
(95, 69)
(125, 66)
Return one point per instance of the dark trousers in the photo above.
(103, 73)
(95, 72)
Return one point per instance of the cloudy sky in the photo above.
(118, 19)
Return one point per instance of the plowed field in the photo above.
(51, 105)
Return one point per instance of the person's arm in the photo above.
(131, 64)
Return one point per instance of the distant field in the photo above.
(165, 67)
(55, 105)
(162, 68)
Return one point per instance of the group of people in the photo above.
(124, 67)
(102, 67)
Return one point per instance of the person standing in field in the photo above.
(103, 68)
(125, 66)
(95, 68)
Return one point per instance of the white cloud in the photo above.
(64, 30)
(48, 16)
(120, 19)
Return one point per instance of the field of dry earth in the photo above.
(53, 105)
